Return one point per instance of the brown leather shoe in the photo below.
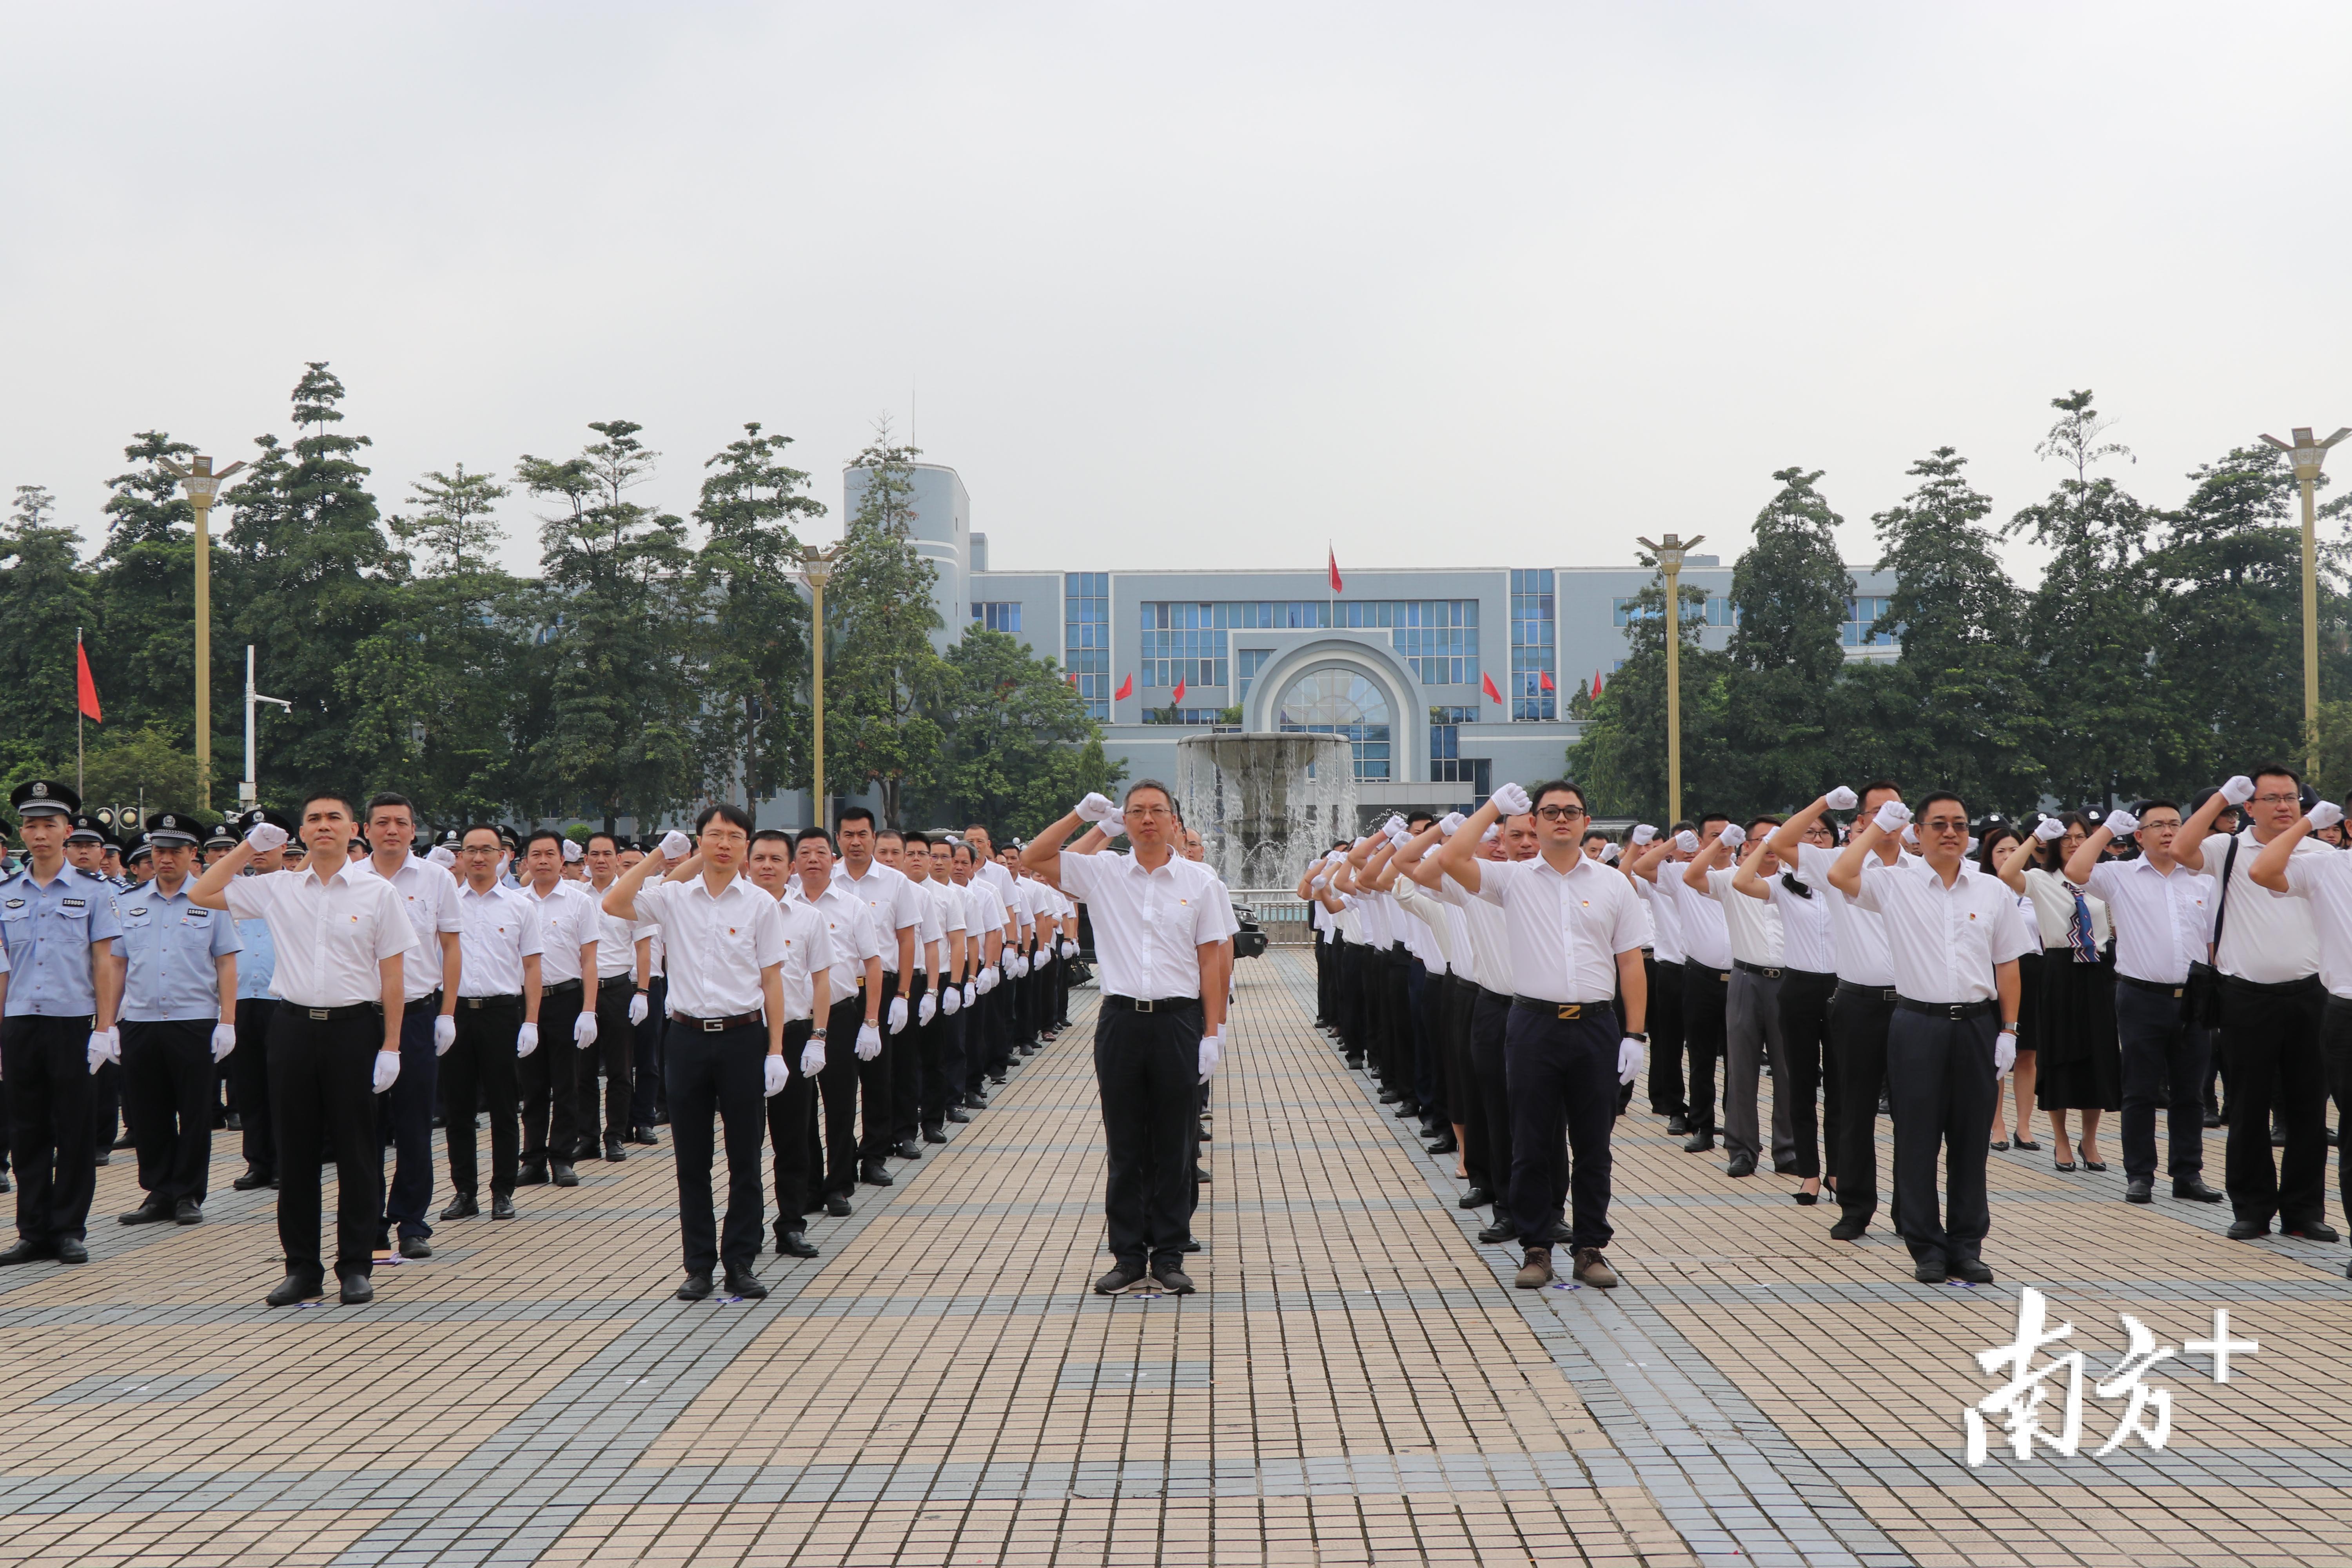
(1536, 1272)
(1593, 1269)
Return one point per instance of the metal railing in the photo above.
(1280, 911)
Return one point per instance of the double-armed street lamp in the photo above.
(816, 567)
(1669, 556)
(2307, 455)
(203, 488)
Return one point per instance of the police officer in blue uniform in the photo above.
(57, 1023)
(179, 1022)
(86, 849)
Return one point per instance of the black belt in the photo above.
(1947, 1009)
(1747, 968)
(561, 988)
(1158, 1005)
(717, 1026)
(424, 1004)
(1564, 1009)
(2283, 987)
(2159, 987)
(1805, 974)
(335, 1015)
(483, 1003)
(1692, 967)
(1874, 992)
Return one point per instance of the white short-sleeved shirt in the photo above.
(1566, 928)
(1666, 915)
(1857, 936)
(495, 931)
(2052, 899)
(1752, 924)
(567, 920)
(894, 903)
(849, 930)
(616, 940)
(2163, 921)
(1805, 941)
(2323, 883)
(718, 944)
(1707, 942)
(808, 952)
(983, 916)
(1944, 940)
(1490, 936)
(331, 933)
(430, 897)
(1148, 924)
(2266, 937)
(1434, 915)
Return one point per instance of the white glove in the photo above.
(224, 1041)
(1644, 834)
(676, 845)
(639, 1006)
(927, 1008)
(1319, 883)
(1114, 824)
(897, 1014)
(443, 857)
(2239, 790)
(869, 1042)
(1910, 835)
(444, 1034)
(1892, 816)
(971, 993)
(1396, 834)
(2123, 824)
(1450, 824)
(1494, 831)
(1732, 836)
(1210, 1049)
(1512, 801)
(98, 1049)
(1629, 1060)
(1686, 841)
(2324, 814)
(387, 1069)
(1017, 967)
(1841, 799)
(1069, 948)
(774, 1074)
(2049, 830)
(1393, 826)
(526, 1040)
(986, 982)
(951, 1000)
(1971, 843)
(2004, 1053)
(1095, 807)
(1609, 853)
(813, 1058)
(572, 853)
(583, 1030)
(1335, 857)
(264, 836)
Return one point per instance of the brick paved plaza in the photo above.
(1355, 1381)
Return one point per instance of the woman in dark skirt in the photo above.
(2080, 1061)
(2001, 840)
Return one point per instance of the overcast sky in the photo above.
(1500, 285)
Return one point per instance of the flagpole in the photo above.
(78, 713)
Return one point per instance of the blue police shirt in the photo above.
(170, 944)
(49, 929)
(257, 963)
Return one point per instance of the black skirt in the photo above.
(2078, 1058)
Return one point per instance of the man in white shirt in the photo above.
(496, 987)
(1576, 934)
(942, 998)
(1157, 936)
(426, 1024)
(792, 1115)
(1665, 1075)
(919, 1044)
(1752, 1003)
(983, 950)
(1955, 937)
(2272, 1004)
(647, 1107)
(2318, 879)
(334, 1040)
(624, 972)
(567, 1014)
(725, 943)
(897, 913)
(1706, 971)
(856, 991)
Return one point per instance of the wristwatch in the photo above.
(1638, 1035)
(2009, 1029)
(817, 1033)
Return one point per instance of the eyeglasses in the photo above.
(1958, 828)
(1560, 813)
(1134, 811)
(2278, 800)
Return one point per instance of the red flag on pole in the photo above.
(87, 688)
(1596, 686)
(1487, 681)
(1126, 689)
(1178, 695)
(1544, 676)
(1334, 558)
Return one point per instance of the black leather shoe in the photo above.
(744, 1283)
(2137, 1191)
(1122, 1277)
(934, 1133)
(1496, 1234)
(532, 1173)
(24, 1252)
(295, 1288)
(1700, 1142)
(695, 1288)
(4, 1181)
(2278, 1137)
(250, 1180)
(1677, 1126)
(2194, 1190)
(1972, 1269)
(1930, 1271)
(837, 1206)
(872, 1173)
(1850, 1228)
(121, 1143)
(793, 1244)
(502, 1205)
(102, 1157)
(1444, 1144)
(996, 1078)
(1192, 1244)
(1200, 1175)
(1475, 1198)
(463, 1206)
(2311, 1230)
(1173, 1280)
(1742, 1164)
(1407, 1110)
(187, 1211)
(907, 1148)
(358, 1290)
(644, 1135)
(565, 1176)
(2248, 1229)
(976, 1100)
(149, 1212)
(416, 1246)
(957, 1115)
(2212, 1117)
(1389, 1097)
(1786, 1168)
(612, 1150)
(71, 1250)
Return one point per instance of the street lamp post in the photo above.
(202, 486)
(816, 566)
(2307, 455)
(1670, 561)
(249, 794)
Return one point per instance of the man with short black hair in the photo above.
(896, 911)
(792, 1115)
(497, 1023)
(854, 987)
(428, 1021)
(624, 965)
(550, 1081)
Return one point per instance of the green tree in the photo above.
(143, 653)
(1019, 747)
(755, 644)
(144, 765)
(1621, 756)
(881, 670)
(1783, 710)
(1961, 712)
(45, 595)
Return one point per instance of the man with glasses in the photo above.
(2272, 1005)
(1955, 937)
(495, 1023)
(568, 928)
(428, 1022)
(1706, 969)
(624, 972)
(1752, 1001)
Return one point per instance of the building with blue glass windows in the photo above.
(1398, 662)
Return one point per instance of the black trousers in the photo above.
(1941, 1084)
(1706, 995)
(404, 1121)
(2164, 1058)
(107, 1109)
(1490, 1022)
(877, 1077)
(717, 1075)
(792, 1131)
(838, 1084)
(2275, 1069)
(1665, 1021)
(907, 1051)
(2336, 1038)
(248, 1066)
(45, 1062)
(1396, 1023)
(1147, 1072)
(615, 1055)
(645, 1071)
(547, 1080)
(1322, 974)
(1562, 1074)
(1477, 1138)
(1428, 1075)
(322, 1090)
(1859, 1019)
(942, 1064)
(167, 1085)
(1804, 1041)
(480, 1068)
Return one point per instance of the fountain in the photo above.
(1263, 804)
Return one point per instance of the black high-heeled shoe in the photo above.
(1805, 1198)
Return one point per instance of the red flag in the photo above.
(1126, 689)
(1489, 682)
(1544, 676)
(87, 688)
(1178, 695)
(1335, 568)
(1596, 686)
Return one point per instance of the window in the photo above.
(1337, 702)
(1532, 646)
(999, 616)
(1446, 763)
(1862, 618)
(1249, 661)
(1086, 637)
(1183, 716)
(1438, 638)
